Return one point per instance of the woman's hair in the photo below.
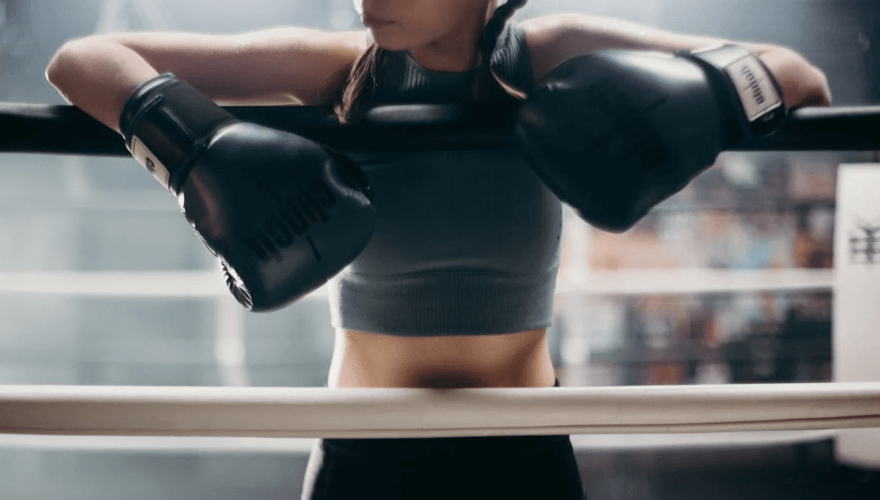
(357, 91)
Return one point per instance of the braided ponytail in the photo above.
(487, 86)
(358, 90)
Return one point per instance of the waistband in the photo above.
(407, 447)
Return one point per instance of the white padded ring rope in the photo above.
(372, 413)
(211, 284)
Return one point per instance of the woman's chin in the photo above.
(389, 41)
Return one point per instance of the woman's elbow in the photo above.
(822, 92)
(62, 66)
(803, 83)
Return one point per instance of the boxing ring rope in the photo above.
(396, 413)
(361, 413)
(29, 128)
(617, 283)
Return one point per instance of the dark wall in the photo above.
(830, 33)
(871, 47)
(840, 36)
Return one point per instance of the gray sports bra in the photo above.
(467, 242)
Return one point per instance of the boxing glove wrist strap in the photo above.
(166, 123)
(757, 98)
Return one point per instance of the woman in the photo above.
(445, 295)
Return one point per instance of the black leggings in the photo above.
(505, 467)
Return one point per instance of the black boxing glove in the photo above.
(614, 133)
(281, 214)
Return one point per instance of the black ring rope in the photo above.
(35, 128)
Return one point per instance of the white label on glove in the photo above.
(756, 90)
(145, 157)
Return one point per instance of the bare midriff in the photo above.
(363, 359)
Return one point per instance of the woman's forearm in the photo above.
(554, 39)
(98, 75)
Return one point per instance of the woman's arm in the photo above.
(273, 66)
(557, 38)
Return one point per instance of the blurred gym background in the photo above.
(105, 225)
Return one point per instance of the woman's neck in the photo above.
(454, 53)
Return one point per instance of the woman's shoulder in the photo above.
(552, 39)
